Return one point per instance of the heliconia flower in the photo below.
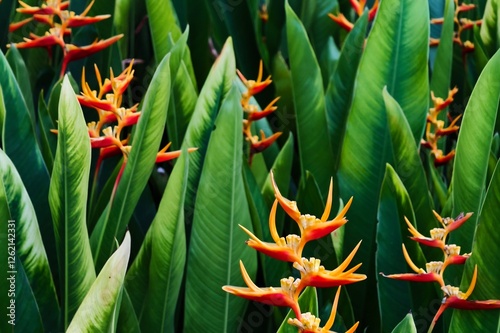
(284, 249)
(53, 7)
(313, 274)
(73, 20)
(440, 160)
(451, 224)
(342, 21)
(310, 226)
(432, 273)
(48, 40)
(284, 296)
(270, 108)
(456, 299)
(308, 323)
(254, 87)
(164, 156)
(452, 128)
(73, 52)
(259, 146)
(437, 238)
(17, 25)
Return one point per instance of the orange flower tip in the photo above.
(342, 21)
(353, 328)
(453, 224)
(289, 206)
(437, 243)
(54, 131)
(78, 21)
(442, 160)
(15, 26)
(242, 77)
(413, 277)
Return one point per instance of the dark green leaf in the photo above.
(217, 244)
(162, 21)
(473, 149)
(485, 255)
(314, 149)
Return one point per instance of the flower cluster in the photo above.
(461, 25)
(108, 104)
(60, 20)
(358, 7)
(253, 113)
(312, 273)
(435, 129)
(434, 270)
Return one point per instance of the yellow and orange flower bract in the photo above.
(108, 103)
(358, 7)
(253, 113)
(312, 273)
(60, 20)
(434, 270)
(436, 129)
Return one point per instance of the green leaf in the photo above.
(392, 231)
(20, 71)
(27, 312)
(308, 302)
(162, 21)
(314, 150)
(395, 55)
(68, 203)
(214, 91)
(217, 244)
(48, 140)
(338, 95)
(489, 28)
(441, 72)
(183, 93)
(20, 144)
(472, 152)
(27, 245)
(168, 255)
(407, 325)
(408, 164)
(145, 144)
(99, 310)
(127, 319)
(484, 254)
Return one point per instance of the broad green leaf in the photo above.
(20, 71)
(122, 23)
(27, 245)
(472, 151)
(99, 310)
(141, 159)
(490, 28)
(275, 23)
(27, 312)
(181, 106)
(392, 231)
(308, 302)
(127, 319)
(68, 203)
(408, 164)
(217, 243)
(338, 95)
(162, 21)
(395, 56)
(407, 325)
(214, 91)
(441, 71)
(20, 144)
(168, 255)
(485, 255)
(314, 149)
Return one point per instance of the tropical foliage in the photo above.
(148, 148)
